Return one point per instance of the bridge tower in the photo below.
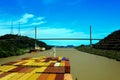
(90, 36)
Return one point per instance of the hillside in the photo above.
(108, 47)
(111, 42)
(11, 45)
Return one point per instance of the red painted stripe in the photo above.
(42, 77)
(4, 74)
(67, 63)
(16, 69)
(67, 69)
(51, 65)
(59, 77)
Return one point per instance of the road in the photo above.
(84, 66)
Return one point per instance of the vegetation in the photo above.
(113, 54)
(108, 47)
(11, 45)
(111, 42)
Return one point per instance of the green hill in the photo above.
(108, 47)
(111, 42)
(11, 45)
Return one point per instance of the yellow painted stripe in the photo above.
(2, 68)
(34, 76)
(26, 64)
(42, 69)
(8, 76)
(10, 68)
(34, 71)
(17, 63)
(62, 63)
(1, 72)
(46, 64)
(25, 77)
(60, 58)
(53, 61)
(17, 76)
(6, 68)
(41, 64)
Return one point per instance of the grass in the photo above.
(106, 53)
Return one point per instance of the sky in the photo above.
(60, 18)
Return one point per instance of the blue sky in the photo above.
(61, 18)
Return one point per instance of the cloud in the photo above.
(62, 33)
(39, 18)
(28, 19)
(34, 20)
(48, 32)
(25, 18)
(59, 33)
(37, 23)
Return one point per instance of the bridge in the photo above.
(67, 39)
(36, 38)
(90, 38)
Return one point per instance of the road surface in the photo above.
(84, 66)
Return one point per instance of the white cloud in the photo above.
(59, 33)
(38, 23)
(39, 18)
(34, 20)
(62, 33)
(49, 32)
(25, 18)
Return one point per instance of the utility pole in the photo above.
(19, 32)
(11, 28)
(90, 36)
(35, 37)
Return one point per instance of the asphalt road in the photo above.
(84, 66)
